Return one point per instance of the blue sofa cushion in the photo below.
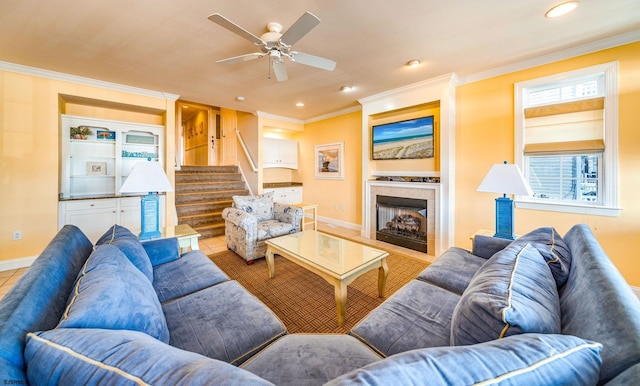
(111, 293)
(528, 359)
(416, 316)
(93, 356)
(512, 293)
(129, 244)
(453, 270)
(260, 206)
(38, 299)
(307, 359)
(224, 322)
(554, 250)
(192, 272)
(162, 251)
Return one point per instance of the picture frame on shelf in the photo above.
(105, 135)
(96, 168)
(329, 161)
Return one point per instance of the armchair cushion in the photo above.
(273, 228)
(260, 206)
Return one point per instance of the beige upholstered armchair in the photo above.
(254, 219)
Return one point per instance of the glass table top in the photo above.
(332, 253)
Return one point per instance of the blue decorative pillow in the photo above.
(554, 250)
(111, 293)
(128, 243)
(528, 359)
(260, 206)
(512, 293)
(92, 356)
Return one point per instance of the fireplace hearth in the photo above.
(402, 221)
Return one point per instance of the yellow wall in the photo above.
(484, 136)
(331, 193)
(30, 107)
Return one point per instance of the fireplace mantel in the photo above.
(436, 231)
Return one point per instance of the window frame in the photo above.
(609, 205)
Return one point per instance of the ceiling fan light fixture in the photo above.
(561, 9)
(413, 63)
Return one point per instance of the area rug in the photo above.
(304, 301)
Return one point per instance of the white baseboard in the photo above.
(22, 262)
(344, 224)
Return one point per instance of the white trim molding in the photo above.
(340, 223)
(23, 262)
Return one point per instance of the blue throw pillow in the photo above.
(93, 356)
(554, 250)
(512, 293)
(111, 293)
(128, 243)
(528, 359)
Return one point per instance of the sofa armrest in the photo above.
(487, 246)
(240, 218)
(162, 250)
(288, 214)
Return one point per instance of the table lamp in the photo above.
(148, 177)
(506, 179)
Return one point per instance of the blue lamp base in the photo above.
(150, 217)
(504, 218)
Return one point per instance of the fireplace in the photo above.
(402, 221)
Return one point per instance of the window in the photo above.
(566, 140)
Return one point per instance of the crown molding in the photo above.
(615, 41)
(451, 77)
(334, 114)
(47, 74)
(262, 114)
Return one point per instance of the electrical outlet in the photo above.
(343, 207)
(17, 235)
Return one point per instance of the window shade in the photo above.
(565, 127)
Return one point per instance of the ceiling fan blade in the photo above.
(312, 60)
(301, 27)
(241, 58)
(236, 29)
(280, 71)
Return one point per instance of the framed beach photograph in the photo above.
(408, 139)
(96, 168)
(106, 135)
(329, 161)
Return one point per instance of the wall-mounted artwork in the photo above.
(329, 161)
(408, 139)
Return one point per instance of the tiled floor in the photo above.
(218, 244)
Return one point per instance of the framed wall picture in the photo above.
(96, 168)
(329, 161)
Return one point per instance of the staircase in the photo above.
(202, 192)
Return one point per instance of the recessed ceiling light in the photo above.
(561, 9)
(240, 98)
(413, 63)
(346, 88)
(300, 104)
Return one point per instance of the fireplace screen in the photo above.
(402, 221)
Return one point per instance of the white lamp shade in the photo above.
(505, 179)
(146, 177)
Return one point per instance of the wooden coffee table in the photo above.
(336, 260)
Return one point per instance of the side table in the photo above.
(187, 236)
(313, 208)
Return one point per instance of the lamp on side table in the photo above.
(506, 179)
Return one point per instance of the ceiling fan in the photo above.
(276, 44)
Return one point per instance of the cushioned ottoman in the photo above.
(223, 322)
(309, 359)
(417, 316)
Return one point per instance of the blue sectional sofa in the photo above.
(544, 309)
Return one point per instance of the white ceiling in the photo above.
(171, 46)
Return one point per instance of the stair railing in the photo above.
(246, 151)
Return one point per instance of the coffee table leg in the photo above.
(270, 264)
(341, 301)
(383, 271)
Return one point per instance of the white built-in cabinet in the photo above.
(94, 167)
(279, 153)
(287, 195)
